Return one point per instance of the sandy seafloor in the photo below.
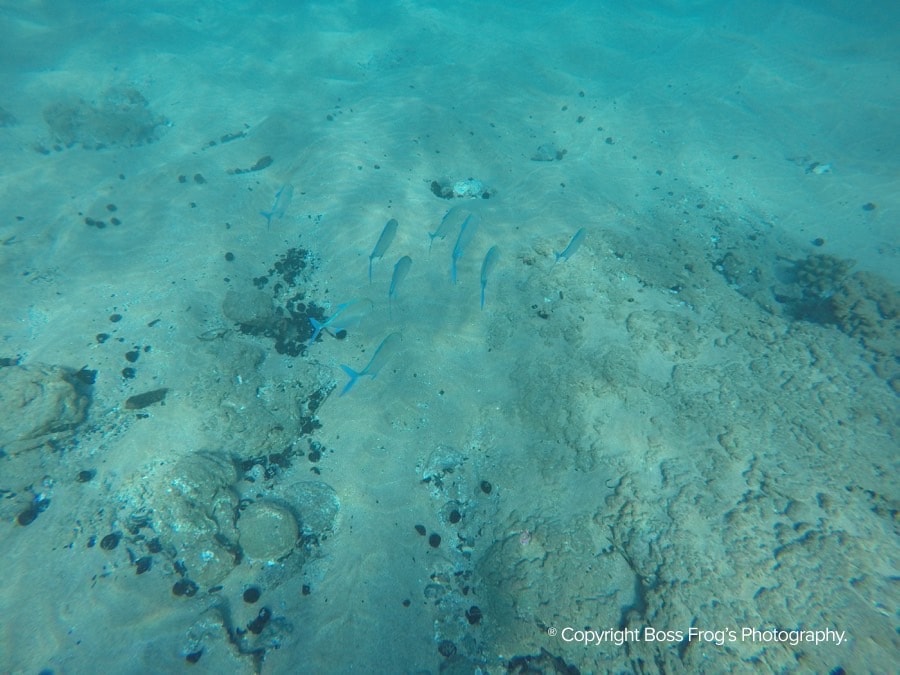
(690, 422)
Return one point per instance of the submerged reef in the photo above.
(122, 118)
(821, 274)
(861, 304)
(44, 405)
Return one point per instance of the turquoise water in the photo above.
(655, 430)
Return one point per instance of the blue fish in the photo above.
(490, 259)
(346, 315)
(451, 220)
(282, 201)
(381, 356)
(387, 236)
(574, 245)
(401, 269)
(466, 233)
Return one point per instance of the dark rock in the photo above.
(147, 398)
(110, 541)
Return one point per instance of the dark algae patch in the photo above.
(261, 163)
(122, 118)
(289, 326)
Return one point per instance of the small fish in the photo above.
(280, 205)
(466, 233)
(387, 236)
(381, 356)
(401, 269)
(451, 220)
(490, 259)
(346, 315)
(574, 245)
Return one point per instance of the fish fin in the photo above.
(317, 328)
(353, 375)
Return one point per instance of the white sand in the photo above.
(665, 448)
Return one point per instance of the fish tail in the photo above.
(268, 216)
(317, 328)
(353, 375)
(370, 269)
(482, 297)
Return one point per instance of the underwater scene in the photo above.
(405, 336)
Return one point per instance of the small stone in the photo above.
(86, 476)
(185, 587)
(28, 516)
(110, 541)
(147, 398)
(262, 619)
